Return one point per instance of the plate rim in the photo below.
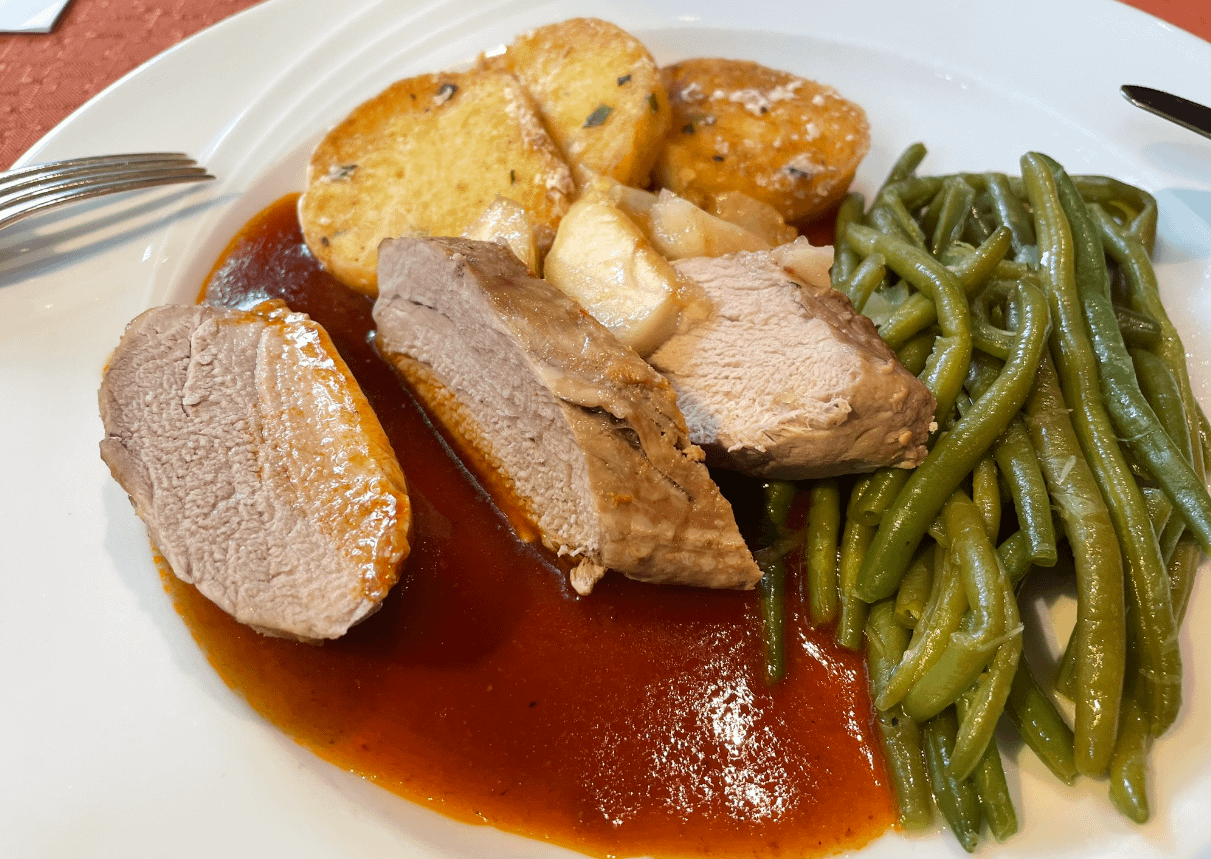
(64, 135)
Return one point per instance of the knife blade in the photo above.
(1188, 114)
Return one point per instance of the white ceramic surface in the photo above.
(119, 738)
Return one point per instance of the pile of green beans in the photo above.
(1067, 437)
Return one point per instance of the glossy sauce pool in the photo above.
(634, 721)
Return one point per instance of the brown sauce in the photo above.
(634, 721)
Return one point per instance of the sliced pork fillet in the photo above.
(262, 474)
(569, 427)
(784, 379)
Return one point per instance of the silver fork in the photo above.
(38, 187)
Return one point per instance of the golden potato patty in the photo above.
(599, 93)
(427, 156)
(739, 126)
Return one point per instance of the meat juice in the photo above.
(634, 721)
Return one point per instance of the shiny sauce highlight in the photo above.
(634, 721)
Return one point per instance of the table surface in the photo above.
(43, 78)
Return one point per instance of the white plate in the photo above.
(119, 739)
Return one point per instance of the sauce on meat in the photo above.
(634, 721)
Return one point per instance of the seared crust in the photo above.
(739, 126)
(574, 432)
(599, 93)
(472, 442)
(427, 156)
(257, 464)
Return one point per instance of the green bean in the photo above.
(954, 454)
(982, 373)
(1019, 466)
(868, 275)
(985, 336)
(906, 165)
(855, 537)
(771, 588)
(1040, 725)
(913, 191)
(1171, 527)
(979, 181)
(901, 737)
(1129, 766)
(1152, 620)
(918, 312)
(887, 298)
(1094, 188)
(993, 791)
(1066, 474)
(993, 593)
(876, 492)
(978, 725)
(1012, 214)
(914, 591)
(1143, 227)
(915, 353)
(948, 363)
(886, 642)
(845, 260)
(1126, 404)
(820, 547)
(889, 215)
(771, 592)
(1165, 397)
(1138, 204)
(909, 319)
(1144, 297)
(974, 268)
(986, 493)
(1168, 538)
(928, 219)
(1104, 190)
(1007, 270)
(1201, 450)
(989, 779)
(965, 643)
(1101, 613)
(1160, 509)
(1065, 672)
(1137, 329)
(971, 646)
(957, 197)
(942, 616)
(956, 797)
(779, 496)
(1014, 552)
(977, 228)
(965, 657)
(1182, 567)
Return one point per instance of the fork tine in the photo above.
(41, 186)
(46, 186)
(80, 171)
(69, 166)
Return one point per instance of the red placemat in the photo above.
(43, 78)
(1191, 15)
